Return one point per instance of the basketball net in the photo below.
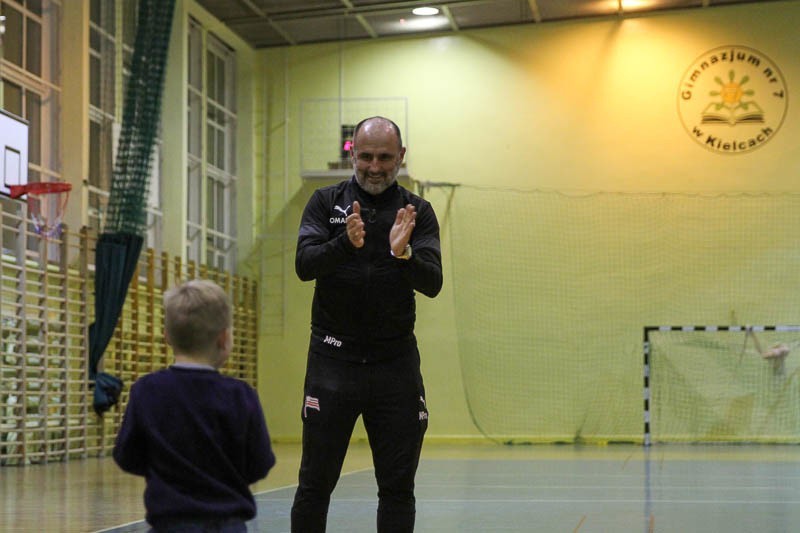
(46, 201)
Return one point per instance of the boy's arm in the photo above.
(259, 449)
(129, 449)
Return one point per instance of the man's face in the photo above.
(376, 156)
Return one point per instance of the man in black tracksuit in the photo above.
(369, 244)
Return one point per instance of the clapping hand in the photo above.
(401, 230)
(355, 226)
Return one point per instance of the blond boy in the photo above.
(199, 438)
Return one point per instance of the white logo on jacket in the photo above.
(341, 219)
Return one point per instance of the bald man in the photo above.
(370, 244)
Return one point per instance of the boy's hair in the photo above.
(194, 315)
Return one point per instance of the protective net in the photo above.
(719, 385)
(141, 114)
(552, 292)
(117, 250)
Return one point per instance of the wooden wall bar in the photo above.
(47, 306)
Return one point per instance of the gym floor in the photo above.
(476, 487)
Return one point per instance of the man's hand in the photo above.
(355, 226)
(402, 229)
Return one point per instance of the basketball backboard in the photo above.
(13, 151)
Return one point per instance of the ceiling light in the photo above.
(633, 5)
(425, 11)
(419, 24)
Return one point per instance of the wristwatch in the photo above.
(405, 255)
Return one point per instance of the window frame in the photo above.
(212, 121)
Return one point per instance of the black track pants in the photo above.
(391, 398)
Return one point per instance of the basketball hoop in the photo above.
(47, 201)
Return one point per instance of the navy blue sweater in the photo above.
(199, 438)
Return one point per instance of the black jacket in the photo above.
(364, 306)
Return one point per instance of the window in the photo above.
(29, 69)
(211, 123)
(30, 72)
(102, 106)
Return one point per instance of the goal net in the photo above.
(722, 384)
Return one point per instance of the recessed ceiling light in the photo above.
(414, 24)
(425, 11)
(633, 5)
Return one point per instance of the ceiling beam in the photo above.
(283, 33)
(367, 26)
(450, 18)
(535, 10)
(348, 9)
(254, 8)
(263, 15)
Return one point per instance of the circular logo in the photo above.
(732, 100)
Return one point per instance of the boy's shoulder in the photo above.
(172, 374)
(175, 373)
(176, 378)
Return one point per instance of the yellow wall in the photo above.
(570, 106)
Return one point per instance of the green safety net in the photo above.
(553, 290)
(118, 247)
(140, 119)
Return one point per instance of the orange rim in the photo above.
(39, 187)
